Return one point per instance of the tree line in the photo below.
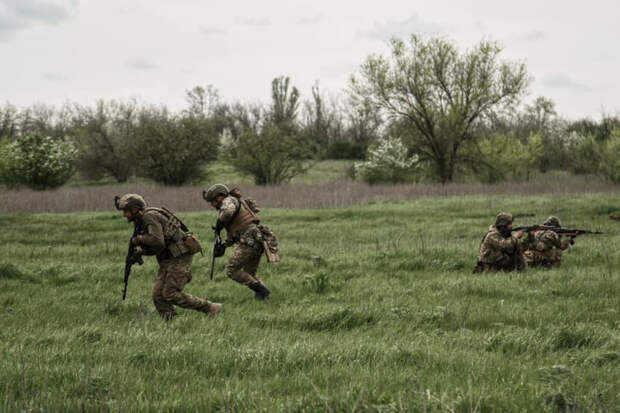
(427, 111)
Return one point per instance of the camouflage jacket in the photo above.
(494, 246)
(237, 218)
(151, 229)
(547, 240)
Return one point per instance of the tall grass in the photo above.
(298, 195)
(374, 308)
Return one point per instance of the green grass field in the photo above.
(374, 308)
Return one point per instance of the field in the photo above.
(374, 308)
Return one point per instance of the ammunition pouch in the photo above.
(270, 244)
(190, 244)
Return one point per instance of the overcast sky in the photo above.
(82, 50)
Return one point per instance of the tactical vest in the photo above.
(170, 224)
(241, 221)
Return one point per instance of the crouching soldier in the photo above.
(239, 217)
(546, 250)
(500, 250)
(158, 232)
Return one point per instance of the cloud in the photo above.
(55, 77)
(309, 20)
(400, 28)
(20, 14)
(141, 64)
(533, 36)
(249, 21)
(212, 31)
(561, 81)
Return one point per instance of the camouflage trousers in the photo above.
(505, 263)
(243, 264)
(173, 275)
(546, 259)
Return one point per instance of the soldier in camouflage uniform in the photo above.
(500, 250)
(157, 236)
(546, 250)
(242, 227)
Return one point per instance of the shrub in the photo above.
(36, 161)
(172, 150)
(271, 155)
(341, 149)
(610, 157)
(387, 163)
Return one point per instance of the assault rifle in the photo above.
(560, 231)
(219, 248)
(132, 258)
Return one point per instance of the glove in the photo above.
(136, 258)
(219, 250)
(135, 240)
(572, 241)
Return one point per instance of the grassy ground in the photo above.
(374, 308)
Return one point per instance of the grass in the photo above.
(374, 308)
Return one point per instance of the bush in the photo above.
(37, 162)
(172, 150)
(387, 163)
(508, 158)
(610, 157)
(271, 155)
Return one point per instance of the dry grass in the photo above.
(324, 195)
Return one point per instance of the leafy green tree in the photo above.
(610, 157)
(36, 161)
(440, 94)
(103, 136)
(173, 149)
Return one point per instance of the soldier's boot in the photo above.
(212, 309)
(260, 291)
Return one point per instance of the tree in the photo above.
(387, 163)
(103, 135)
(172, 149)
(440, 93)
(39, 162)
(284, 103)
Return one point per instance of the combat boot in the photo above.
(260, 291)
(212, 309)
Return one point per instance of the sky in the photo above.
(53, 51)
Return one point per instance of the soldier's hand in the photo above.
(136, 258)
(135, 240)
(572, 241)
(519, 233)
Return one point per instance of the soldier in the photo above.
(158, 233)
(500, 250)
(546, 250)
(239, 217)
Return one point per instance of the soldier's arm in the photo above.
(565, 243)
(503, 244)
(228, 209)
(153, 239)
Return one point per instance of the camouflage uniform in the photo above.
(499, 249)
(243, 228)
(546, 250)
(174, 271)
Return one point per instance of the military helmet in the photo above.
(553, 221)
(129, 200)
(503, 219)
(214, 191)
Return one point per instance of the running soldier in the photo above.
(546, 250)
(158, 233)
(239, 217)
(500, 250)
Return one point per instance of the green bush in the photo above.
(36, 161)
(341, 149)
(610, 157)
(507, 158)
(387, 162)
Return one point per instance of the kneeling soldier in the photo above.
(158, 233)
(500, 250)
(546, 250)
(239, 217)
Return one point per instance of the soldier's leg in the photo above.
(243, 256)
(179, 273)
(163, 307)
(261, 291)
